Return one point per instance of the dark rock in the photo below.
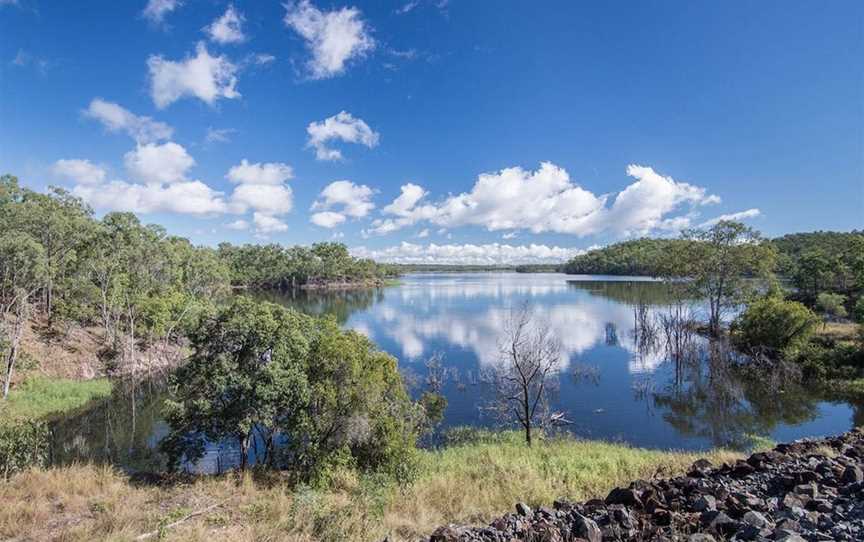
(705, 503)
(852, 474)
(627, 497)
(523, 510)
(755, 519)
(585, 528)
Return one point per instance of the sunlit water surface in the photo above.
(609, 387)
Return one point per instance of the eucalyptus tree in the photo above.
(718, 264)
(23, 268)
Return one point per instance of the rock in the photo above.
(445, 534)
(627, 497)
(585, 528)
(705, 503)
(796, 492)
(755, 519)
(852, 474)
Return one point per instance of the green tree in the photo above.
(832, 305)
(23, 267)
(260, 371)
(718, 263)
(247, 371)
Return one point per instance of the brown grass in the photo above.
(465, 484)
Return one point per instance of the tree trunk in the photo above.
(17, 330)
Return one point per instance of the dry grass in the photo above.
(839, 331)
(470, 483)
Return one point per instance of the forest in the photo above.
(62, 266)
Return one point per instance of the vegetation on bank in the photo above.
(731, 267)
(39, 397)
(144, 290)
(468, 482)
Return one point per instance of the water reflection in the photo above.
(619, 379)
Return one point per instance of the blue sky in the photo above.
(494, 131)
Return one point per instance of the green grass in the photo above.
(39, 397)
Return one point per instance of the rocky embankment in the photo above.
(810, 490)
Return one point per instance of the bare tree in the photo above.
(527, 370)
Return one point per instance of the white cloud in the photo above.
(510, 235)
(423, 233)
(407, 7)
(546, 200)
(228, 28)
(266, 198)
(157, 164)
(486, 254)
(266, 224)
(202, 76)
(328, 219)
(186, 197)
(156, 10)
(262, 189)
(333, 37)
(262, 59)
(353, 200)
(340, 127)
(80, 171)
(218, 135)
(116, 118)
(260, 173)
(741, 215)
(238, 225)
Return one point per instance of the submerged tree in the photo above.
(526, 371)
(718, 263)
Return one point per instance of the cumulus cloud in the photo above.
(340, 127)
(547, 200)
(327, 219)
(266, 198)
(266, 224)
(260, 173)
(116, 118)
(333, 37)
(156, 10)
(484, 254)
(186, 197)
(158, 164)
(79, 171)
(202, 76)
(339, 200)
(163, 183)
(238, 225)
(228, 28)
(262, 189)
(741, 215)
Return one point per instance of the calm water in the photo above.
(610, 388)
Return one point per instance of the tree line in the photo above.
(825, 269)
(60, 265)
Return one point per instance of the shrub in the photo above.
(326, 398)
(775, 324)
(22, 444)
(858, 311)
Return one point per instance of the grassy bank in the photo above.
(38, 396)
(471, 482)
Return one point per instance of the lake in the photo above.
(611, 385)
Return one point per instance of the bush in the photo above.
(23, 444)
(319, 399)
(775, 324)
